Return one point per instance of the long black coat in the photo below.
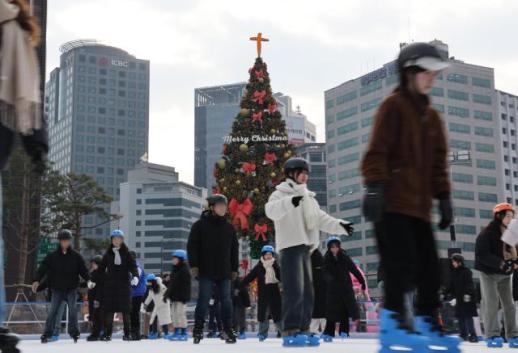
(179, 288)
(269, 295)
(213, 247)
(319, 285)
(341, 302)
(489, 250)
(461, 283)
(117, 288)
(62, 271)
(240, 295)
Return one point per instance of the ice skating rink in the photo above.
(250, 345)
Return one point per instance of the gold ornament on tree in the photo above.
(243, 147)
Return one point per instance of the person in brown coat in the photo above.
(404, 168)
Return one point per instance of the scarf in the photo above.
(309, 205)
(269, 277)
(19, 75)
(118, 259)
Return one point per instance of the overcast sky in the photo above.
(314, 46)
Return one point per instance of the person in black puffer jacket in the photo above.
(121, 272)
(341, 302)
(462, 289)
(62, 268)
(496, 261)
(179, 293)
(212, 250)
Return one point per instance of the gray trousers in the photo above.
(497, 289)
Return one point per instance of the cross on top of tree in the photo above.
(259, 40)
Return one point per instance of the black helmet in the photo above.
(296, 164)
(217, 198)
(64, 234)
(97, 259)
(457, 258)
(421, 55)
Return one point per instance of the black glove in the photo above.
(295, 200)
(348, 226)
(374, 202)
(446, 211)
(508, 267)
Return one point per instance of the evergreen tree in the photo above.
(252, 160)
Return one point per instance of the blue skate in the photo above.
(54, 338)
(298, 340)
(242, 336)
(344, 335)
(152, 336)
(183, 336)
(174, 336)
(313, 340)
(327, 338)
(448, 344)
(495, 342)
(513, 342)
(262, 338)
(393, 336)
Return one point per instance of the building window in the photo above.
(485, 164)
(485, 131)
(344, 114)
(457, 111)
(505, 144)
(483, 115)
(486, 180)
(437, 92)
(458, 95)
(463, 195)
(507, 172)
(482, 99)
(346, 97)
(481, 82)
(139, 201)
(460, 128)
(347, 128)
(458, 78)
(139, 191)
(485, 197)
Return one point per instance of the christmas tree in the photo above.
(253, 157)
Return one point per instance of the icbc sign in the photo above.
(120, 63)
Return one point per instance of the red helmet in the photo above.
(503, 207)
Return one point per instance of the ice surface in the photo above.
(250, 345)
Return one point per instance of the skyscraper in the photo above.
(97, 103)
(507, 127)
(215, 109)
(465, 96)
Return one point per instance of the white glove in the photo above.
(134, 281)
(90, 285)
(453, 302)
(467, 298)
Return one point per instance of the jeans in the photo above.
(59, 318)
(466, 326)
(264, 326)
(239, 318)
(136, 303)
(2, 284)
(223, 287)
(331, 327)
(494, 287)
(58, 297)
(409, 260)
(298, 295)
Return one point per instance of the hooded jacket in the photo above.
(291, 223)
(162, 305)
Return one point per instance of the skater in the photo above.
(268, 275)
(404, 168)
(298, 221)
(62, 268)
(179, 293)
(340, 299)
(214, 325)
(120, 274)
(94, 298)
(138, 293)
(318, 319)
(496, 262)
(162, 305)
(462, 289)
(240, 302)
(212, 250)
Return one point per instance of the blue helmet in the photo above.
(150, 277)
(333, 239)
(117, 233)
(267, 248)
(181, 254)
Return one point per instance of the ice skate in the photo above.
(393, 336)
(197, 334)
(495, 342)
(229, 336)
(8, 341)
(92, 338)
(313, 340)
(513, 342)
(327, 338)
(174, 336)
(296, 340)
(152, 336)
(433, 332)
(262, 338)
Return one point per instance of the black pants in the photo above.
(466, 326)
(408, 257)
(136, 303)
(97, 321)
(331, 327)
(108, 323)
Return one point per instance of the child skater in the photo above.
(162, 309)
(179, 293)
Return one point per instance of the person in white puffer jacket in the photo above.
(162, 305)
(298, 221)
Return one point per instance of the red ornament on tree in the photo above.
(240, 213)
(270, 157)
(260, 232)
(258, 116)
(259, 96)
(272, 107)
(248, 167)
(259, 73)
